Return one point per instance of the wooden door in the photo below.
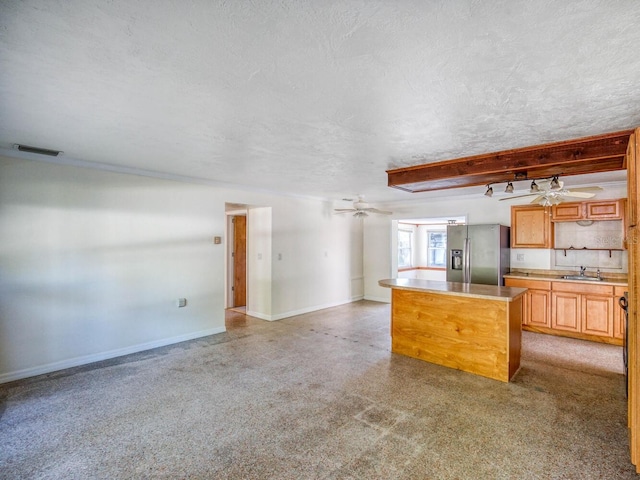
(633, 245)
(239, 261)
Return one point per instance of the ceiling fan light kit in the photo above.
(360, 209)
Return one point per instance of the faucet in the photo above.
(582, 270)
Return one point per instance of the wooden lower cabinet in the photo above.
(565, 311)
(538, 308)
(537, 301)
(597, 315)
(573, 309)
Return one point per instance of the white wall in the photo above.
(93, 262)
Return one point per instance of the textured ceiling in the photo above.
(307, 97)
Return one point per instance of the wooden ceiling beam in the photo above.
(601, 153)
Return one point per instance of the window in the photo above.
(404, 248)
(436, 249)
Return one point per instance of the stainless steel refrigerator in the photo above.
(478, 253)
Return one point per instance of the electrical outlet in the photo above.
(520, 257)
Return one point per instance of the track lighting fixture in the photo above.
(534, 187)
(555, 184)
(509, 188)
(489, 191)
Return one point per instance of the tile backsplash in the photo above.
(599, 235)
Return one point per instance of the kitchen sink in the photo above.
(581, 277)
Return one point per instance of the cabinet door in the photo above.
(538, 311)
(567, 212)
(565, 311)
(605, 210)
(597, 315)
(530, 227)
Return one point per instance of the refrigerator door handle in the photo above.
(467, 261)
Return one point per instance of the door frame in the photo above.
(229, 270)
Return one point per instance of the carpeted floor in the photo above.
(319, 396)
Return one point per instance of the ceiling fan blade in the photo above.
(344, 210)
(573, 193)
(517, 196)
(585, 189)
(375, 210)
(538, 199)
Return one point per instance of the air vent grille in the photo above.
(38, 150)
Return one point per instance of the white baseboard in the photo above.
(97, 357)
(261, 316)
(377, 299)
(302, 311)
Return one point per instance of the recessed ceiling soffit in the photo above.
(601, 153)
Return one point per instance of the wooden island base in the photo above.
(474, 328)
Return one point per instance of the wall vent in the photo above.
(38, 150)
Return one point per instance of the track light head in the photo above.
(534, 187)
(489, 191)
(555, 184)
(509, 188)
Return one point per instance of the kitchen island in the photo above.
(470, 327)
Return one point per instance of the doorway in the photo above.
(420, 247)
(239, 256)
(236, 270)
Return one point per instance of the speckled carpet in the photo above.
(319, 396)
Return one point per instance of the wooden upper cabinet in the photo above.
(567, 212)
(531, 227)
(605, 210)
(596, 210)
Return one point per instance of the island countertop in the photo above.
(474, 290)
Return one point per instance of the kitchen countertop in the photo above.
(556, 278)
(490, 292)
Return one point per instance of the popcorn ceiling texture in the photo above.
(314, 98)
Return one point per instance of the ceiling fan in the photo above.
(549, 192)
(360, 208)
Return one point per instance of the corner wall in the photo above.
(92, 263)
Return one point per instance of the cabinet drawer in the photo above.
(522, 283)
(619, 291)
(580, 287)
